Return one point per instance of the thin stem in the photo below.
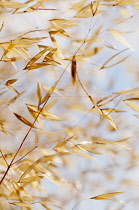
(79, 202)
(24, 139)
(25, 155)
(118, 23)
(4, 158)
